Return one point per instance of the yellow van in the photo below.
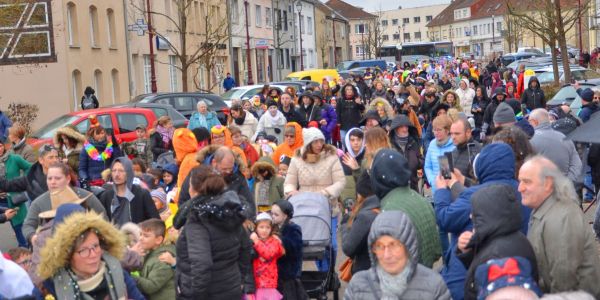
(316, 75)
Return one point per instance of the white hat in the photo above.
(310, 135)
(264, 216)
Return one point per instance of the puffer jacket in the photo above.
(533, 97)
(495, 165)
(268, 251)
(496, 223)
(412, 150)
(213, 251)
(423, 283)
(328, 114)
(156, 278)
(289, 266)
(432, 166)
(247, 124)
(285, 148)
(354, 236)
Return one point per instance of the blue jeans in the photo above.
(587, 181)
(323, 264)
(21, 240)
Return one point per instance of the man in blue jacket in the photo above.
(228, 82)
(494, 165)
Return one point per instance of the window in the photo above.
(98, 83)
(116, 85)
(302, 24)
(268, 17)
(184, 103)
(489, 30)
(405, 20)
(76, 86)
(235, 7)
(417, 35)
(258, 15)
(112, 34)
(94, 39)
(385, 37)
(360, 28)
(428, 18)
(498, 27)
(72, 24)
(310, 58)
(475, 30)
(360, 51)
(147, 74)
(394, 21)
(129, 121)
(287, 58)
(407, 37)
(285, 21)
(342, 31)
(309, 24)
(384, 23)
(417, 20)
(396, 36)
(104, 120)
(173, 73)
(159, 112)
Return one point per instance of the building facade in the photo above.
(331, 34)
(358, 22)
(407, 25)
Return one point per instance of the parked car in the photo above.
(179, 120)
(315, 75)
(578, 73)
(122, 121)
(352, 64)
(247, 92)
(568, 95)
(299, 85)
(511, 57)
(185, 103)
(531, 50)
(356, 71)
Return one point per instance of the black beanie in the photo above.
(389, 171)
(201, 134)
(286, 207)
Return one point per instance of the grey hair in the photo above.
(201, 102)
(562, 187)
(221, 153)
(541, 115)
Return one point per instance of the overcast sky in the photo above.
(374, 5)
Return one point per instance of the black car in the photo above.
(160, 110)
(185, 103)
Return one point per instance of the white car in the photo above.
(247, 92)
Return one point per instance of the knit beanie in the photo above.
(161, 196)
(586, 94)
(504, 114)
(310, 135)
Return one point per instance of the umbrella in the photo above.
(588, 132)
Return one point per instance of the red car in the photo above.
(122, 121)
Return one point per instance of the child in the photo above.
(169, 177)
(284, 163)
(156, 280)
(156, 178)
(22, 257)
(139, 167)
(160, 201)
(268, 186)
(140, 147)
(268, 249)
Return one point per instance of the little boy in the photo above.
(284, 163)
(140, 147)
(156, 280)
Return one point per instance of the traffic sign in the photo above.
(140, 26)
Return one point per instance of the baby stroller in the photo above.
(313, 214)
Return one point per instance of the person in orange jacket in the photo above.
(185, 145)
(220, 135)
(292, 141)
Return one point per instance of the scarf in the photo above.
(3, 160)
(393, 286)
(401, 141)
(166, 134)
(93, 153)
(276, 120)
(240, 121)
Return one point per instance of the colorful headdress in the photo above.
(217, 129)
(93, 121)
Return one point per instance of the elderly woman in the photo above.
(81, 260)
(395, 271)
(203, 117)
(16, 136)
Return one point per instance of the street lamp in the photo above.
(250, 80)
(299, 8)
(334, 43)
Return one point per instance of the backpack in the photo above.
(88, 102)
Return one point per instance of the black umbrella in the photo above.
(588, 132)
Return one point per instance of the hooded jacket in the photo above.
(479, 103)
(135, 206)
(348, 111)
(246, 123)
(498, 83)
(412, 150)
(271, 125)
(465, 98)
(496, 222)
(533, 97)
(213, 250)
(275, 188)
(174, 171)
(387, 107)
(157, 279)
(494, 165)
(73, 156)
(423, 283)
(488, 114)
(329, 115)
(309, 113)
(292, 115)
(185, 145)
(463, 156)
(284, 148)
(358, 156)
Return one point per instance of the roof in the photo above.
(328, 11)
(446, 16)
(349, 11)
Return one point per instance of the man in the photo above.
(228, 82)
(588, 106)
(466, 149)
(124, 201)
(223, 161)
(554, 145)
(504, 116)
(405, 139)
(563, 242)
(371, 120)
(289, 112)
(34, 182)
(533, 97)
(390, 176)
(488, 115)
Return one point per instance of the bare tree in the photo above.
(282, 36)
(549, 20)
(375, 35)
(323, 42)
(201, 40)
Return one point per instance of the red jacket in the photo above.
(265, 265)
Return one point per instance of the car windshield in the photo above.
(292, 78)
(343, 65)
(547, 77)
(48, 131)
(566, 94)
(142, 99)
(233, 94)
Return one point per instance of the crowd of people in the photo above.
(445, 180)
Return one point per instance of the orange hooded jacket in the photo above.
(284, 148)
(185, 145)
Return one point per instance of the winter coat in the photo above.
(265, 263)
(310, 113)
(498, 82)
(73, 155)
(90, 169)
(495, 165)
(185, 145)
(432, 165)
(445, 85)
(497, 223)
(210, 117)
(247, 124)
(479, 102)
(174, 171)
(5, 124)
(423, 283)
(139, 148)
(43, 203)
(157, 279)
(488, 115)
(533, 97)
(325, 176)
(329, 115)
(271, 125)
(289, 266)
(24, 150)
(275, 189)
(213, 251)
(158, 145)
(90, 101)
(348, 111)
(354, 237)
(34, 182)
(412, 150)
(565, 247)
(387, 107)
(462, 158)
(284, 148)
(292, 115)
(13, 166)
(465, 97)
(556, 147)
(587, 110)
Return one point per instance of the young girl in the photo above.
(169, 177)
(268, 249)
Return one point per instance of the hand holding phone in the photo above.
(446, 167)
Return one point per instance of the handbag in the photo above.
(346, 267)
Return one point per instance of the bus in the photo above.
(412, 52)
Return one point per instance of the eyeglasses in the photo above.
(86, 252)
(393, 247)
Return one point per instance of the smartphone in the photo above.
(445, 169)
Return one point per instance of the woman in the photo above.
(518, 140)
(244, 120)
(213, 249)
(451, 99)
(309, 109)
(326, 90)
(203, 117)
(98, 155)
(395, 271)
(264, 93)
(480, 102)
(247, 106)
(355, 229)
(438, 146)
(316, 168)
(274, 95)
(465, 96)
(13, 166)
(384, 109)
(328, 121)
(69, 143)
(19, 146)
(349, 109)
(161, 136)
(271, 122)
(292, 92)
(81, 260)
